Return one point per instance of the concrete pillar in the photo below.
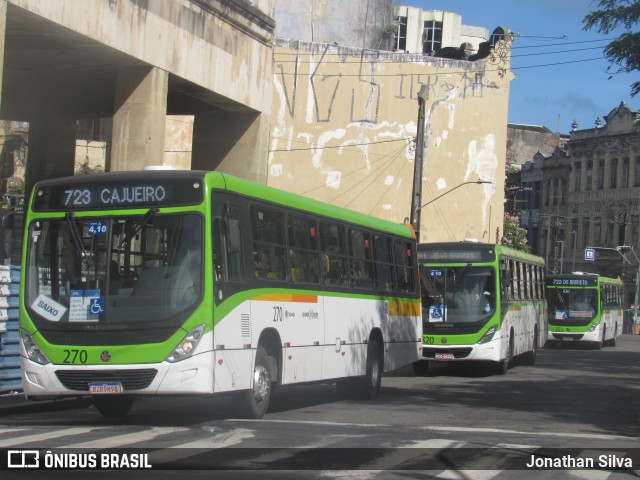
(52, 147)
(234, 143)
(139, 121)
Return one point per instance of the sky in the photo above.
(547, 89)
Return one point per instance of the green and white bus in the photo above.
(481, 302)
(584, 308)
(192, 282)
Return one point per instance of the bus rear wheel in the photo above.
(256, 400)
(113, 406)
(530, 356)
(373, 377)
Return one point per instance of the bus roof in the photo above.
(270, 194)
(52, 194)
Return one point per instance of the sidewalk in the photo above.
(15, 403)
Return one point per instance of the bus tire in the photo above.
(256, 400)
(503, 365)
(420, 368)
(113, 406)
(530, 356)
(600, 343)
(370, 384)
(614, 341)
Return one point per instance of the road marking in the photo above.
(39, 437)
(396, 457)
(126, 438)
(595, 436)
(311, 422)
(178, 452)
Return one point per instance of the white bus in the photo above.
(481, 302)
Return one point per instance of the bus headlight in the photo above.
(33, 350)
(489, 335)
(593, 327)
(187, 345)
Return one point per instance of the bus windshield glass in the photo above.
(572, 304)
(113, 270)
(460, 295)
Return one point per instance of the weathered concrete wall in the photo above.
(199, 42)
(343, 125)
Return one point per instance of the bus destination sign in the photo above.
(455, 255)
(100, 196)
(572, 281)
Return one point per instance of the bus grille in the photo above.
(462, 352)
(130, 379)
(560, 336)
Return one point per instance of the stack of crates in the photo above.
(10, 375)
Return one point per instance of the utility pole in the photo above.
(416, 194)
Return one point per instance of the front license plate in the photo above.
(444, 356)
(100, 388)
(567, 339)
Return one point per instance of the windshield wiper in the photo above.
(138, 226)
(463, 274)
(77, 239)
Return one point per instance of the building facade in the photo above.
(429, 31)
(590, 198)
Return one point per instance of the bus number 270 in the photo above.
(277, 314)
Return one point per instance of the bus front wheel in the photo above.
(503, 365)
(256, 400)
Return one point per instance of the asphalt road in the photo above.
(458, 421)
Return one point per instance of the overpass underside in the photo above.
(135, 62)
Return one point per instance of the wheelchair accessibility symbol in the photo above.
(97, 305)
(436, 312)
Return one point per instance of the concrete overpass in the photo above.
(136, 61)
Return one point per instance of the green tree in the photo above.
(513, 235)
(624, 51)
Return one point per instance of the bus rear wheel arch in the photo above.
(366, 387)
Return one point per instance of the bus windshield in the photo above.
(113, 269)
(464, 294)
(572, 304)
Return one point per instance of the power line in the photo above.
(338, 146)
(383, 157)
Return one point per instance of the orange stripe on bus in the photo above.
(286, 297)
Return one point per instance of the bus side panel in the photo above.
(299, 319)
(522, 318)
(348, 324)
(234, 352)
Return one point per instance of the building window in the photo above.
(578, 173)
(432, 36)
(562, 191)
(613, 183)
(400, 38)
(589, 175)
(597, 232)
(600, 175)
(624, 180)
(636, 182)
(585, 231)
